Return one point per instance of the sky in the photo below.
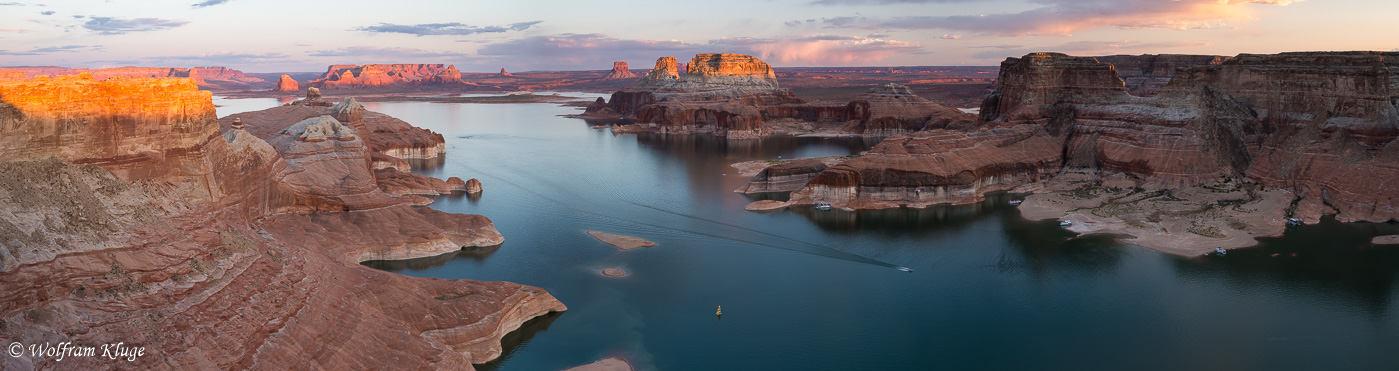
(521, 35)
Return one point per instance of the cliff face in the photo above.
(619, 71)
(721, 94)
(287, 84)
(208, 77)
(937, 166)
(894, 109)
(136, 127)
(212, 257)
(379, 75)
(1321, 125)
(1145, 74)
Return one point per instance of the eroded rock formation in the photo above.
(209, 77)
(1145, 74)
(390, 140)
(139, 222)
(619, 71)
(287, 84)
(1322, 125)
(720, 95)
(382, 75)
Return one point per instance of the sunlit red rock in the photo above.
(287, 84)
(619, 71)
(210, 263)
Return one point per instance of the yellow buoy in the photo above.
(720, 311)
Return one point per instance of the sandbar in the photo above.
(620, 241)
(609, 364)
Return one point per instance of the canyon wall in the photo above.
(1322, 125)
(1145, 74)
(380, 75)
(128, 217)
(208, 77)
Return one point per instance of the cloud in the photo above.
(118, 26)
(1064, 17)
(1090, 48)
(573, 51)
(371, 51)
(47, 12)
(46, 50)
(215, 58)
(883, 2)
(453, 28)
(11, 4)
(950, 37)
(208, 3)
(570, 50)
(13, 30)
(819, 49)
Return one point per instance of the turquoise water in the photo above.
(807, 289)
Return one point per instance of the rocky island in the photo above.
(131, 217)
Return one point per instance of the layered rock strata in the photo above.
(721, 94)
(1322, 125)
(389, 139)
(203, 248)
(1145, 74)
(619, 71)
(382, 75)
(209, 77)
(287, 84)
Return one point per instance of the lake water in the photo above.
(807, 289)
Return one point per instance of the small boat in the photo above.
(1016, 202)
(1220, 251)
(1065, 223)
(823, 206)
(906, 269)
(1293, 222)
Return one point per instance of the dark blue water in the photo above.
(806, 289)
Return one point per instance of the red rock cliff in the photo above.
(619, 71)
(373, 75)
(137, 127)
(214, 259)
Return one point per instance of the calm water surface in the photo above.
(806, 289)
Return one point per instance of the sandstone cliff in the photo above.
(619, 71)
(382, 75)
(1145, 74)
(128, 217)
(1321, 125)
(286, 84)
(721, 94)
(207, 77)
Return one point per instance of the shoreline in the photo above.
(1187, 222)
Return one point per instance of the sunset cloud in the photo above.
(1064, 17)
(371, 51)
(575, 51)
(453, 28)
(46, 50)
(819, 49)
(225, 58)
(208, 3)
(1091, 48)
(118, 26)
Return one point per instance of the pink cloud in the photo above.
(1064, 17)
